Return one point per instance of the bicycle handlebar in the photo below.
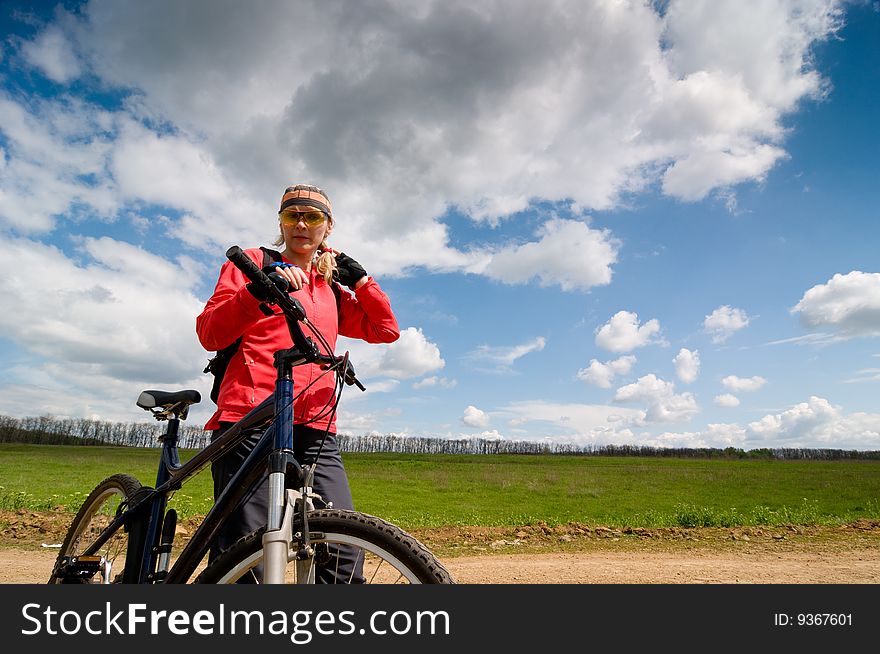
(293, 311)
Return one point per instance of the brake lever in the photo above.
(350, 377)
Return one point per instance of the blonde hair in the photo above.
(325, 263)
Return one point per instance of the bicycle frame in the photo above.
(275, 445)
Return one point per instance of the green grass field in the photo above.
(417, 491)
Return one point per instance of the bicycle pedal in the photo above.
(79, 569)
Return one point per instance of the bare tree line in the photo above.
(426, 445)
(48, 430)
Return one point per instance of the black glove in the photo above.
(348, 271)
(260, 292)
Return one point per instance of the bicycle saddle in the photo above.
(167, 399)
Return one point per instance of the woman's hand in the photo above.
(295, 276)
(349, 272)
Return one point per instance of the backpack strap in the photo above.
(270, 255)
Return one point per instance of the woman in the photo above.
(310, 268)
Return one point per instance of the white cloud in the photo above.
(412, 355)
(726, 400)
(850, 303)
(383, 386)
(743, 384)
(349, 421)
(725, 321)
(817, 423)
(693, 177)
(474, 417)
(687, 365)
(50, 147)
(501, 358)
(568, 253)
(767, 44)
(582, 423)
(623, 333)
(125, 313)
(603, 374)
(434, 381)
(807, 339)
(735, 81)
(51, 52)
(715, 435)
(663, 404)
(864, 375)
(108, 326)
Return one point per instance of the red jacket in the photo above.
(250, 378)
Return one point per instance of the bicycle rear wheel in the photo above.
(388, 554)
(98, 511)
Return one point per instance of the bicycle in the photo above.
(124, 531)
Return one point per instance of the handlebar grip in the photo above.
(243, 262)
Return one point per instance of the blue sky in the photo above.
(600, 222)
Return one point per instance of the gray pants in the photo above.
(330, 482)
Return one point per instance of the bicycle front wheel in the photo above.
(98, 511)
(384, 552)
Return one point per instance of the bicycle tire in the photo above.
(96, 512)
(390, 555)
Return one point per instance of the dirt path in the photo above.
(667, 568)
(23, 566)
(575, 554)
(696, 566)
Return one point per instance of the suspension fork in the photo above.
(278, 542)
